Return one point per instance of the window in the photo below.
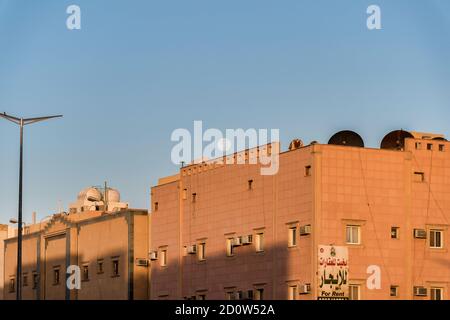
(115, 267)
(354, 292)
(85, 272)
(163, 258)
(441, 148)
(230, 251)
(292, 237)
(353, 234)
(436, 293)
(100, 266)
(229, 295)
(259, 242)
(250, 184)
(184, 195)
(12, 284)
(429, 146)
(394, 233)
(436, 238)
(307, 171)
(56, 277)
(25, 280)
(258, 294)
(292, 292)
(155, 206)
(194, 197)
(418, 145)
(35, 280)
(201, 251)
(419, 176)
(201, 296)
(394, 291)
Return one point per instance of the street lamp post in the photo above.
(22, 122)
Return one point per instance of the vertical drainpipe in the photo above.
(316, 155)
(180, 237)
(409, 238)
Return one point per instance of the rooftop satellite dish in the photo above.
(295, 144)
(395, 140)
(347, 138)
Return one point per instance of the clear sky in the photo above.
(137, 70)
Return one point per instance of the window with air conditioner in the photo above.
(292, 237)
(353, 234)
(354, 292)
(436, 237)
(436, 293)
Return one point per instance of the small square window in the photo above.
(429, 146)
(307, 171)
(394, 291)
(436, 293)
(441, 148)
(418, 145)
(354, 292)
(395, 233)
(436, 239)
(419, 176)
(353, 234)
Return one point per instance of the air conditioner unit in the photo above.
(142, 262)
(237, 241)
(305, 230)
(304, 288)
(420, 291)
(192, 249)
(420, 234)
(153, 255)
(246, 240)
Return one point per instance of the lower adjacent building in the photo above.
(108, 250)
(382, 216)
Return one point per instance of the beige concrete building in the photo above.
(109, 246)
(226, 232)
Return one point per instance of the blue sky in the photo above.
(137, 70)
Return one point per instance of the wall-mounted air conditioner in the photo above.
(192, 249)
(304, 288)
(153, 255)
(142, 262)
(420, 291)
(246, 240)
(420, 234)
(305, 230)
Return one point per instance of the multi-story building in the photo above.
(107, 241)
(223, 231)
